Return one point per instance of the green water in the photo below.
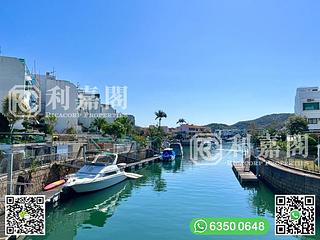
(161, 204)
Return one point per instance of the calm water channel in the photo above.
(162, 203)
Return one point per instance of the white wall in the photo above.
(305, 95)
(67, 117)
(12, 72)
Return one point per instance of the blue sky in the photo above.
(206, 61)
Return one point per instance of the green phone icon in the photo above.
(295, 215)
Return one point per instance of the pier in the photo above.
(135, 165)
(243, 174)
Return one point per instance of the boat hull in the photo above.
(98, 185)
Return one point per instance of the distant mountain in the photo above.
(218, 126)
(275, 120)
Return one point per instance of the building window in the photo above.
(311, 106)
(313, 120)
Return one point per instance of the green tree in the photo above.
(180, 122)
(126, 123)
(159, 115)
(141, 140)
(115, 130)
(4, 124)
(51, 121)
(272, 128)
(157, 135)
(297, 125)
(26, 124)
(12, 118)
(99, 122)
(253, 131)
(70, 130)
(312, 145)
(282, 133)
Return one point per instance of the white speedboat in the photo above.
(101, 173)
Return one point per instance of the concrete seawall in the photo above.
(36, 180)
(286, 180)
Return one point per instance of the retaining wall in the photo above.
(285, 180)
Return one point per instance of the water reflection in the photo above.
(85, 210)
(95, 210)
(261, 199)
(173, 166)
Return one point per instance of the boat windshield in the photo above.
(105, 159)
(167, 152)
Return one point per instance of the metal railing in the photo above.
(21, 162)
(299, 162)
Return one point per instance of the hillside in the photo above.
(275, 120)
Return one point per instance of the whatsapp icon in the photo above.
(200, 226)
(295, 215)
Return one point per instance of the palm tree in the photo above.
(159, 115)
(99, 122)
(181, 121)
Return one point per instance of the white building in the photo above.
(73, 107)
(307, 104)
(90, 107)
(108, 112)
(189, 130)
(12, 72)
(59, 97)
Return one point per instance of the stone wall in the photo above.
(36, 180)
(289, 181)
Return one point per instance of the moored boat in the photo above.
(101, 173)
(177, 148)
(168, 154)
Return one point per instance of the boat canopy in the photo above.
(106, 158)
